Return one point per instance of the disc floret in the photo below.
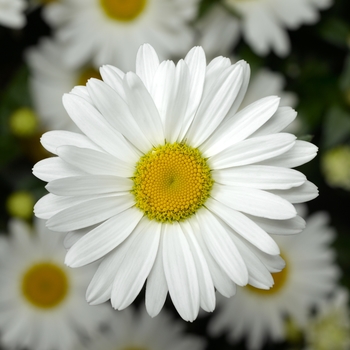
(171, 182)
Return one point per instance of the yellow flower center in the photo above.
(123, 10)
(45, 285)
(171, 182)
(87, 73)
(279, 278)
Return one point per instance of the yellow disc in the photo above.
(45, 285)
(87, 73)
(123, 10)
(171, 182)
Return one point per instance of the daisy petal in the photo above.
(221, 247)
(104, 238)
(143, 109)
(94, 125)
(89, 185)
(241, 125)
(216, 102)
(252, 150)
(180, 272)
(255, 202)
(157, 288)
(301, 153)
(89, 213)
(206, 286)
(100, 287)
(51, 140)
(94, 162)
(245, 227)
(258, 176)
(301, 194)
(135, 267)
(113, 79)
(54, 168)
(117, 113)
(147, 62)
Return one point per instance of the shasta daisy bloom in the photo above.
(111, 31)
(131, 329)
(12, 13)
(170, 184)
(42, 304)
(50, 78)
(262, 22)
(310, 274)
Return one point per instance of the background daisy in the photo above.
(134, 329)
(165, 157)
(50, 78)
(111, 31)
(12, 13)
(309, 276)
(42, 301)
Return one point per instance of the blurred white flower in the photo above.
(42, 301)
(111, 31)
(263, 22)
(330, 328)
(171, 184)
(12, 13)
(136, 330)
(310, 274)
(50, 78)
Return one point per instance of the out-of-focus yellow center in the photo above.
(279, 278)
(45, 285)
(86, 73)
(171, 182)
(45, 2)
(123, 10)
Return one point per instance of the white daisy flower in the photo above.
(42, 303)
(12, 13)
(310, 274)
(111, 31)
(131, 329)
(330, 328)
(262, 22)
(171, 184)
(50, 78)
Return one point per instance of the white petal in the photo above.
(279, 121)
(206, 286)
(117, 113)
(216, 101)
(100, 287)
(104, 238)
(147, 62)
(253, 150)
(113, 79)
(244, 227)
(55, 168)
(222, 281)
(253, 201)
(157, 288)
(301, 194)
(51, 140)
(196, 63)
(280, 227)
(301, 153)
(94, 162)
(143, 109)
(221, 247)
(94, 125)
(257, 176)
(89, 213)
(180, 272)
(71, 238)
(240, 126)
(89, 185)
(134, 269)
